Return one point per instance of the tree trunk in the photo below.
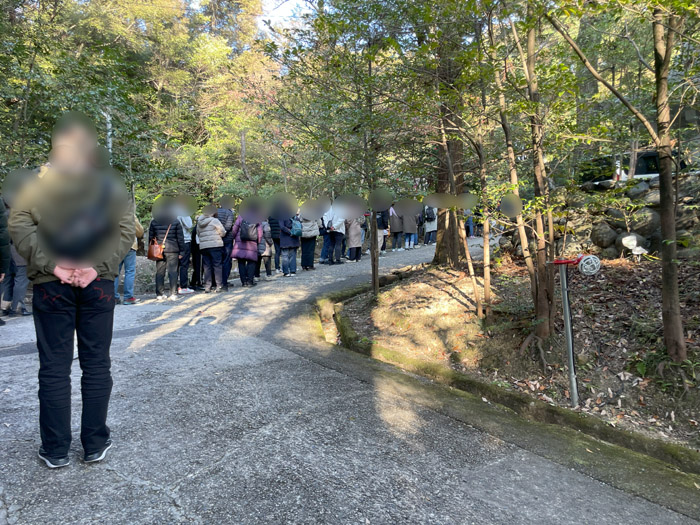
(448, 246)
(512, 166)
(545, 281)
(664, 40)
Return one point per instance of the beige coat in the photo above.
(210, 232)
(353, 232)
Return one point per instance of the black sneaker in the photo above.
(94, 457)
(53, 462)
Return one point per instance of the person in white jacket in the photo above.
(335, 225)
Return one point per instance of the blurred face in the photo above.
(73, 151)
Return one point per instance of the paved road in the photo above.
(228, 409)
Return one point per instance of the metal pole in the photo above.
(568, 332)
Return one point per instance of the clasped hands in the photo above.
(75, 275)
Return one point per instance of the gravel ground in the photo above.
(229, 409)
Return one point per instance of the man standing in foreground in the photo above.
(73, 226)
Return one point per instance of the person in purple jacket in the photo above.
(247, 233)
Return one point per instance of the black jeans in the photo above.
(266, 260)
(211, 261)
(336, 248)
(226, 263)
(246, 270)
(278, 251)
(60, 310)
(308, 252)
(396, 240)
(184, 265)
(170, 262)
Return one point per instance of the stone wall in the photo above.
(614, 219)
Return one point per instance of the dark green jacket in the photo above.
(56, 196)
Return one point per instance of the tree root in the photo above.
(527, 343)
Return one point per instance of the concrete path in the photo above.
(229, 409)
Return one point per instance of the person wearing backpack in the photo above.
(310, 229)
(247, 235)
(289, 244)
(430, 223)
(210, 233)
(265, 252)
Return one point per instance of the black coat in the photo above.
(226, 219)
(274, 227)
(383, 220)
(175, 242)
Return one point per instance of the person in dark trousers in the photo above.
(210, 233)
(430, 219)
(353, 235)
(245, 250)
(265, 252)
(289, 245)
(5, 253)
(187, 226)
(325, 248)
(167, 231)
(73, 226)
(196, 279)
(310, 229)
(275, 232)
(225, 216)
(382, 226)
(396, 228)
(15, 282)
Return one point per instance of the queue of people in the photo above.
(218, 236)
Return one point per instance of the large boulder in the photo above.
(610, 253)
(645, 221)
(606, 185)
(654, 183)
(628, 241)
(689, 185)
(655, 242)
(637, 190)
(603, 235)
(578, 199)
(687, 218)
(573, 247)
(505, 244)
(652, 198)
(616, 218)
